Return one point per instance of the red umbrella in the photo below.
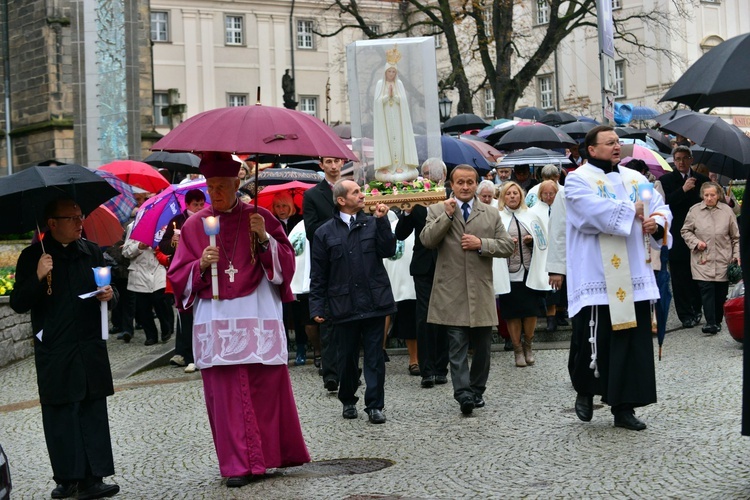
(489, 153)
(138, 174)
(102, 227)
(256, 130)
(295, 189)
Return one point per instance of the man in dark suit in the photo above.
(682, 190)
(432, 341)
(317, 208)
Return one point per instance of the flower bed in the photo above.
(7, 280)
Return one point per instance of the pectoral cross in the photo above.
(231, 271)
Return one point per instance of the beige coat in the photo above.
(717, 227)
(462, 293)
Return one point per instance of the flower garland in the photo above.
(420, 185)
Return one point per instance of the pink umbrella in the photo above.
(154, 215)
(656, 164)
(295, 189)
(489, 153)
(138, 174)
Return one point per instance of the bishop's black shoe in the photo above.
(97, 490)
(628, 420)
(584, 407)
(65, 490)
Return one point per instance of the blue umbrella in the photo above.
(123, 204)
(644, 113)
(455, 152)
(665, 294)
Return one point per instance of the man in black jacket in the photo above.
(317, 208)
(73, 372)
(682, 190)
(349, 286)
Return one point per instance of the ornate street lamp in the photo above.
(445, 106)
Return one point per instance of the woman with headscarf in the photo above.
(395, 150)
(526, 272)
(711, 233)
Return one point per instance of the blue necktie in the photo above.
(465, 209)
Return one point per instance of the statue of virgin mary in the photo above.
(395, 150)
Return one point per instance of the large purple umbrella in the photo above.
(154, 215)
(255, 130)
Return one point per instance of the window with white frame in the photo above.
(546, 95)
(437, 35)
(236, 100)
(161, 101)
(308, 104)
(305, 38)
(233, 29)
(489, 102)
(620, 79)
(159, 26)
(542, 12)
(616, 4)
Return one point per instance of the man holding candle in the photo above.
(73, 372)
(610, 284)
(238, 339)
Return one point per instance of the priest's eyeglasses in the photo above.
(73, 218)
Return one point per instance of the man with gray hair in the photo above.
(682, 190)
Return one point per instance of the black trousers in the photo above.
(78, 440)
(687, 295)
(183, 342)
(329, 351)
(469, 382)
(713, 294)
(144, 302)
(432, 340)
(370, 333)
(124, 312)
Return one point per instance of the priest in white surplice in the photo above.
(610, 285)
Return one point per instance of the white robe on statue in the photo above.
(393, 133)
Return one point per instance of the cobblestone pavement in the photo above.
(527, 441)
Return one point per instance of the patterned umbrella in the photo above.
(123, 204)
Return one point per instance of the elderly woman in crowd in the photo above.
(526, 273)
(546, 193)
(549, 172)
(711, 233)
(486, 193)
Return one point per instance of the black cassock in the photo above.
(72, 365)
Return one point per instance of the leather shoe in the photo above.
(350, 412)
(331, 385)
(584, 407)
(688, 324)
(629, 421)
(710, 329)
(467, 406)
(428, 382)
(165, 338)
(478, 401)
(441, 379)
(376, 416)
(64, 490)
(508, 345)
(150, 342)
(98, 490)
(238, 481)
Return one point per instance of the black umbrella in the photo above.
(714, 133)
(538, 135)
(629, 131)
(661, 141)
(271, 176)
(23, 196)
(186, 163)
(719, 163)
(464, 122)
(667, 117)
(721, 77)
(557, 118)
(534, 156)
(529, 113)
(577, 129)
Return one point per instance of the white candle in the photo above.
(211, 227)
(647, 192)
(103, 277)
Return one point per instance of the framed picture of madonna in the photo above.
(395, 128)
